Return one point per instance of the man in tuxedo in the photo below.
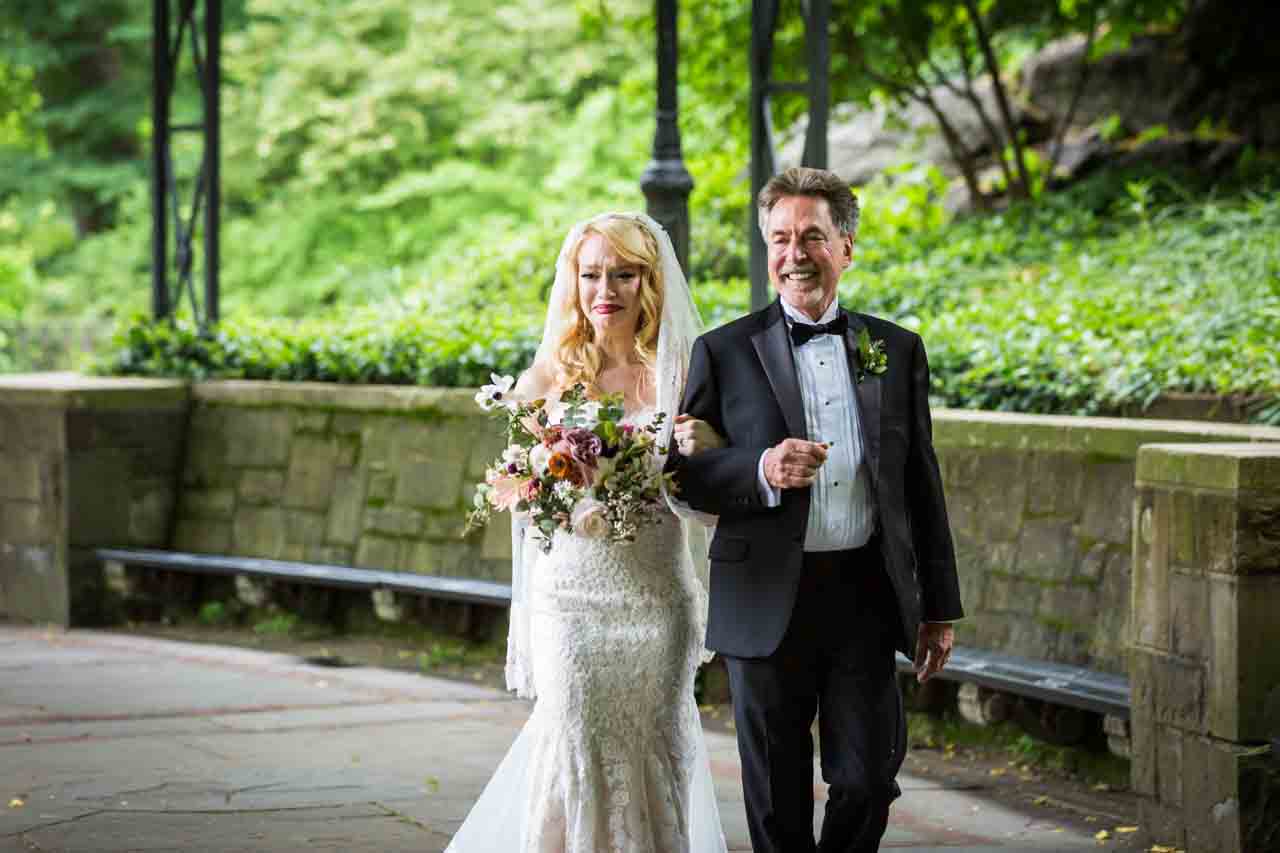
(832, 548)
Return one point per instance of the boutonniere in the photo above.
(871, 355)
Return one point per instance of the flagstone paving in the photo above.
(110, 742)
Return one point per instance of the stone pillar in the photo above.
(85, 462)
(1205, 634)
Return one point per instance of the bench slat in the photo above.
(346, 577)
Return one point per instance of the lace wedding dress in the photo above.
(613, 758)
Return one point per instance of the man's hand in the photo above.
(691, 435)
(933, 649)
(794, 463)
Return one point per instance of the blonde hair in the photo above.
(575, 357)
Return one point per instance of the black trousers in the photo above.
(836, 660)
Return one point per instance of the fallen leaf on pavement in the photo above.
(1102, 835)
(17, 803)
(1126, 829)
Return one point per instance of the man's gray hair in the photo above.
(817, 183)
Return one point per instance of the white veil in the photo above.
(680, 326)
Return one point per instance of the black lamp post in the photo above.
(666, 182)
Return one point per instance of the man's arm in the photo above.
(721, 481)
(926, 504)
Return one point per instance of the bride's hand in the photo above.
(691, 436)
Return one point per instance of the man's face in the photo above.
(807, 253)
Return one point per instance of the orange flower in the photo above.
(560, 465)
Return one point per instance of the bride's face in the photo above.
(608, 288)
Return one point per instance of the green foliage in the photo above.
(366, 348)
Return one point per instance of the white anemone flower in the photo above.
(490, 397)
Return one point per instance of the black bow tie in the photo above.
(802, 333)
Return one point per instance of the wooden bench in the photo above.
(1055, 683)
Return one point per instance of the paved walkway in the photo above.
(111, 742)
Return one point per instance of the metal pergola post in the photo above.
(666, 182)
(764, 25)
(169, 36)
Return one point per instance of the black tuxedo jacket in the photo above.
(742, 381)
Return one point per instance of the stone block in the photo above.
(98, 497)
(1211, 795)
(1107, 487)
(304, 528)
(1112, 630)
(259, 486)
(34, 585)
(150, 510)
(1244, 668)
(1189, 630)
(393, 520)
(258, 437)
(20, 476)
(1031, 638)
(348, 451)
(1258, 535)
(1001, 488)
(1073, 607)
(28, 523)
(346, 508)
(487, 443)
(382, 485)
(1180, 692)
(496, 544)
(433, 483)
(973, 585)
(311, 421)
(1010, 593)
(448, 525)
(312, 468)
(208, 503)
(435, 558)
(41, 429)
(1142, 769)
(207, 453)
(378, 552)
(332, 555)
(1150, 594)
(1056, 484)
(1094, 563)
(259, 532)
(348, 423)
(1162, 824)
(1047, 549)
(1168, 743)
(498, 570)
(203, 537)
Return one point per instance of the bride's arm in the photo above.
(534, 383)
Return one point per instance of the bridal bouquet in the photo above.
(590, 474)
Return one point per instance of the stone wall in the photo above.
(84, 463)
(1041, 512)
(376, 477)
(1204, 674)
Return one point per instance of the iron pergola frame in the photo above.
(172, 272)
(764, 26)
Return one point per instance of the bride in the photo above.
(605, 636)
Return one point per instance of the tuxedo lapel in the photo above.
(773, 346)
(867, 397)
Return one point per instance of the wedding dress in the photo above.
(613, 757)
(607, 637)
